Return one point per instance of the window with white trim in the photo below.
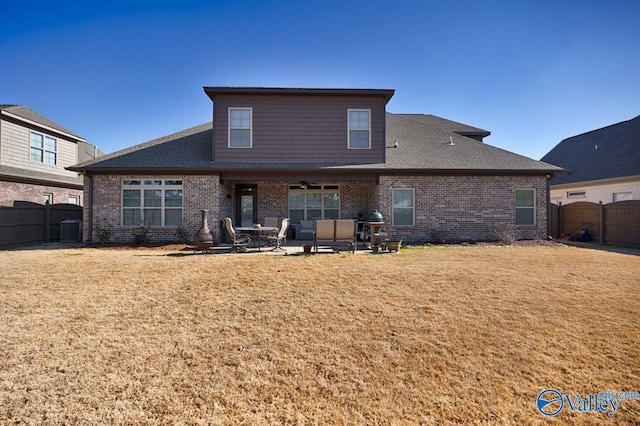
(622, 196)
(151, 202)
(314, 202)
(44, 149)
(576, 194)
(525, 207)
(403, 207)
(73, 199)
(240, 127)
(359, 136)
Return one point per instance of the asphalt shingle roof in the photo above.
(421, 148)
(606, 153)
(29, 114)
(445, 124)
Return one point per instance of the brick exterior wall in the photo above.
(199, 192)
(16, 191)
(447, 208)
(465, 208)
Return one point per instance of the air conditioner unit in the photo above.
(70, 231)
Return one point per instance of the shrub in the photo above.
(505, 237)
(141, 235)
(103, 231)
(182, 234)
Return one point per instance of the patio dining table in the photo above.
(260, 233)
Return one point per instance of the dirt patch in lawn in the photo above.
(438, 335)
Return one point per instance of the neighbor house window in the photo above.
(576, 194)
(359, 128)
(240, 127)
(622, 196)
(151, 202)
(313, 202)
(403, 207)
(44, 148)
(525, 207)
(47, 198)
(74, 199)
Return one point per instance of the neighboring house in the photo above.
(601, 165)
(34, 154)
(318, 153)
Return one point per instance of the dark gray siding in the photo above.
(300, 128)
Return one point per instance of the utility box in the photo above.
(70, 231)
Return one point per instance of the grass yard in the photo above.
(441, 335)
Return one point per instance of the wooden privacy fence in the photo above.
(31, 223)
(615, 223)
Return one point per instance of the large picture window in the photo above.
(151, 202)
(314, 202)
(240, 127)
(359, 129)
(525, 207)
(403, 207)
(44, 149)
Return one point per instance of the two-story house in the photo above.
(318, 153)
(602, 165)
(34, 154)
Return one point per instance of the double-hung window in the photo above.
(359, 136)
(240, 127)
(525, 207)
(314, 202)
(403, 207)
(44, 149)
(151, 202)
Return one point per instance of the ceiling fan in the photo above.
(304, 184)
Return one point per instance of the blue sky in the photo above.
(119, 73)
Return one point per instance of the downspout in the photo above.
(213, 132)
(549, 230)
(90, 207)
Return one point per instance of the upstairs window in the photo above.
(525, 207)
(44, 149)
(359, 129)
(240, 127)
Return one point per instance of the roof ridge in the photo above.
(26, 113)
(603, 128)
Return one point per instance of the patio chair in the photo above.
(281, 236)
(239, 242)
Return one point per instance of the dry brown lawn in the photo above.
(442, 335)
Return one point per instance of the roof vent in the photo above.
(395, 144)
(451, 141)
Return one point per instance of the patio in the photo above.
(290, 247)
